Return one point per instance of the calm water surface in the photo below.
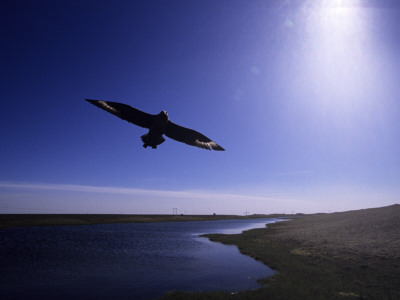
(124, 261)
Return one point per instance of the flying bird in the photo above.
(157, 125)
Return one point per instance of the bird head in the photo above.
(164, 114)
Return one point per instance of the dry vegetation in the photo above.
(371, 234)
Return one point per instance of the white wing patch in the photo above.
(208, 145)
(108, 107)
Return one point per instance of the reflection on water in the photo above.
(124, 261)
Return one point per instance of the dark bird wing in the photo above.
(125, 112)
(190, 137)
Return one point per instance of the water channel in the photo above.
(124, 261)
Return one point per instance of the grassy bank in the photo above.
(350, 255)
(18, 220)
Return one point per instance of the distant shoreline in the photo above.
(23, 220)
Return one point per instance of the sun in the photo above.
(337, 61)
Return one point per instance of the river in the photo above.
(124, 261)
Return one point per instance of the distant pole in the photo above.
(174, 211)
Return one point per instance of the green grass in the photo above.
(352, 255)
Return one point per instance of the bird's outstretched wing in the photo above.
(190, 137)
(125, 112)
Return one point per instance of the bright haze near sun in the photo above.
(304, 95)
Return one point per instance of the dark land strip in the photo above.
(18, 220)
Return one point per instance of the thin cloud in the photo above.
(295, 173)
(130, 191)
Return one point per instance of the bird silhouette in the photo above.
(157, 125)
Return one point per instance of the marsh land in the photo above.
(346, 255)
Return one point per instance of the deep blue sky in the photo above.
(303, 95)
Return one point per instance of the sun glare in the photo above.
(337, 62)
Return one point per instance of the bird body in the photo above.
(158, 125)
(154, 137)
